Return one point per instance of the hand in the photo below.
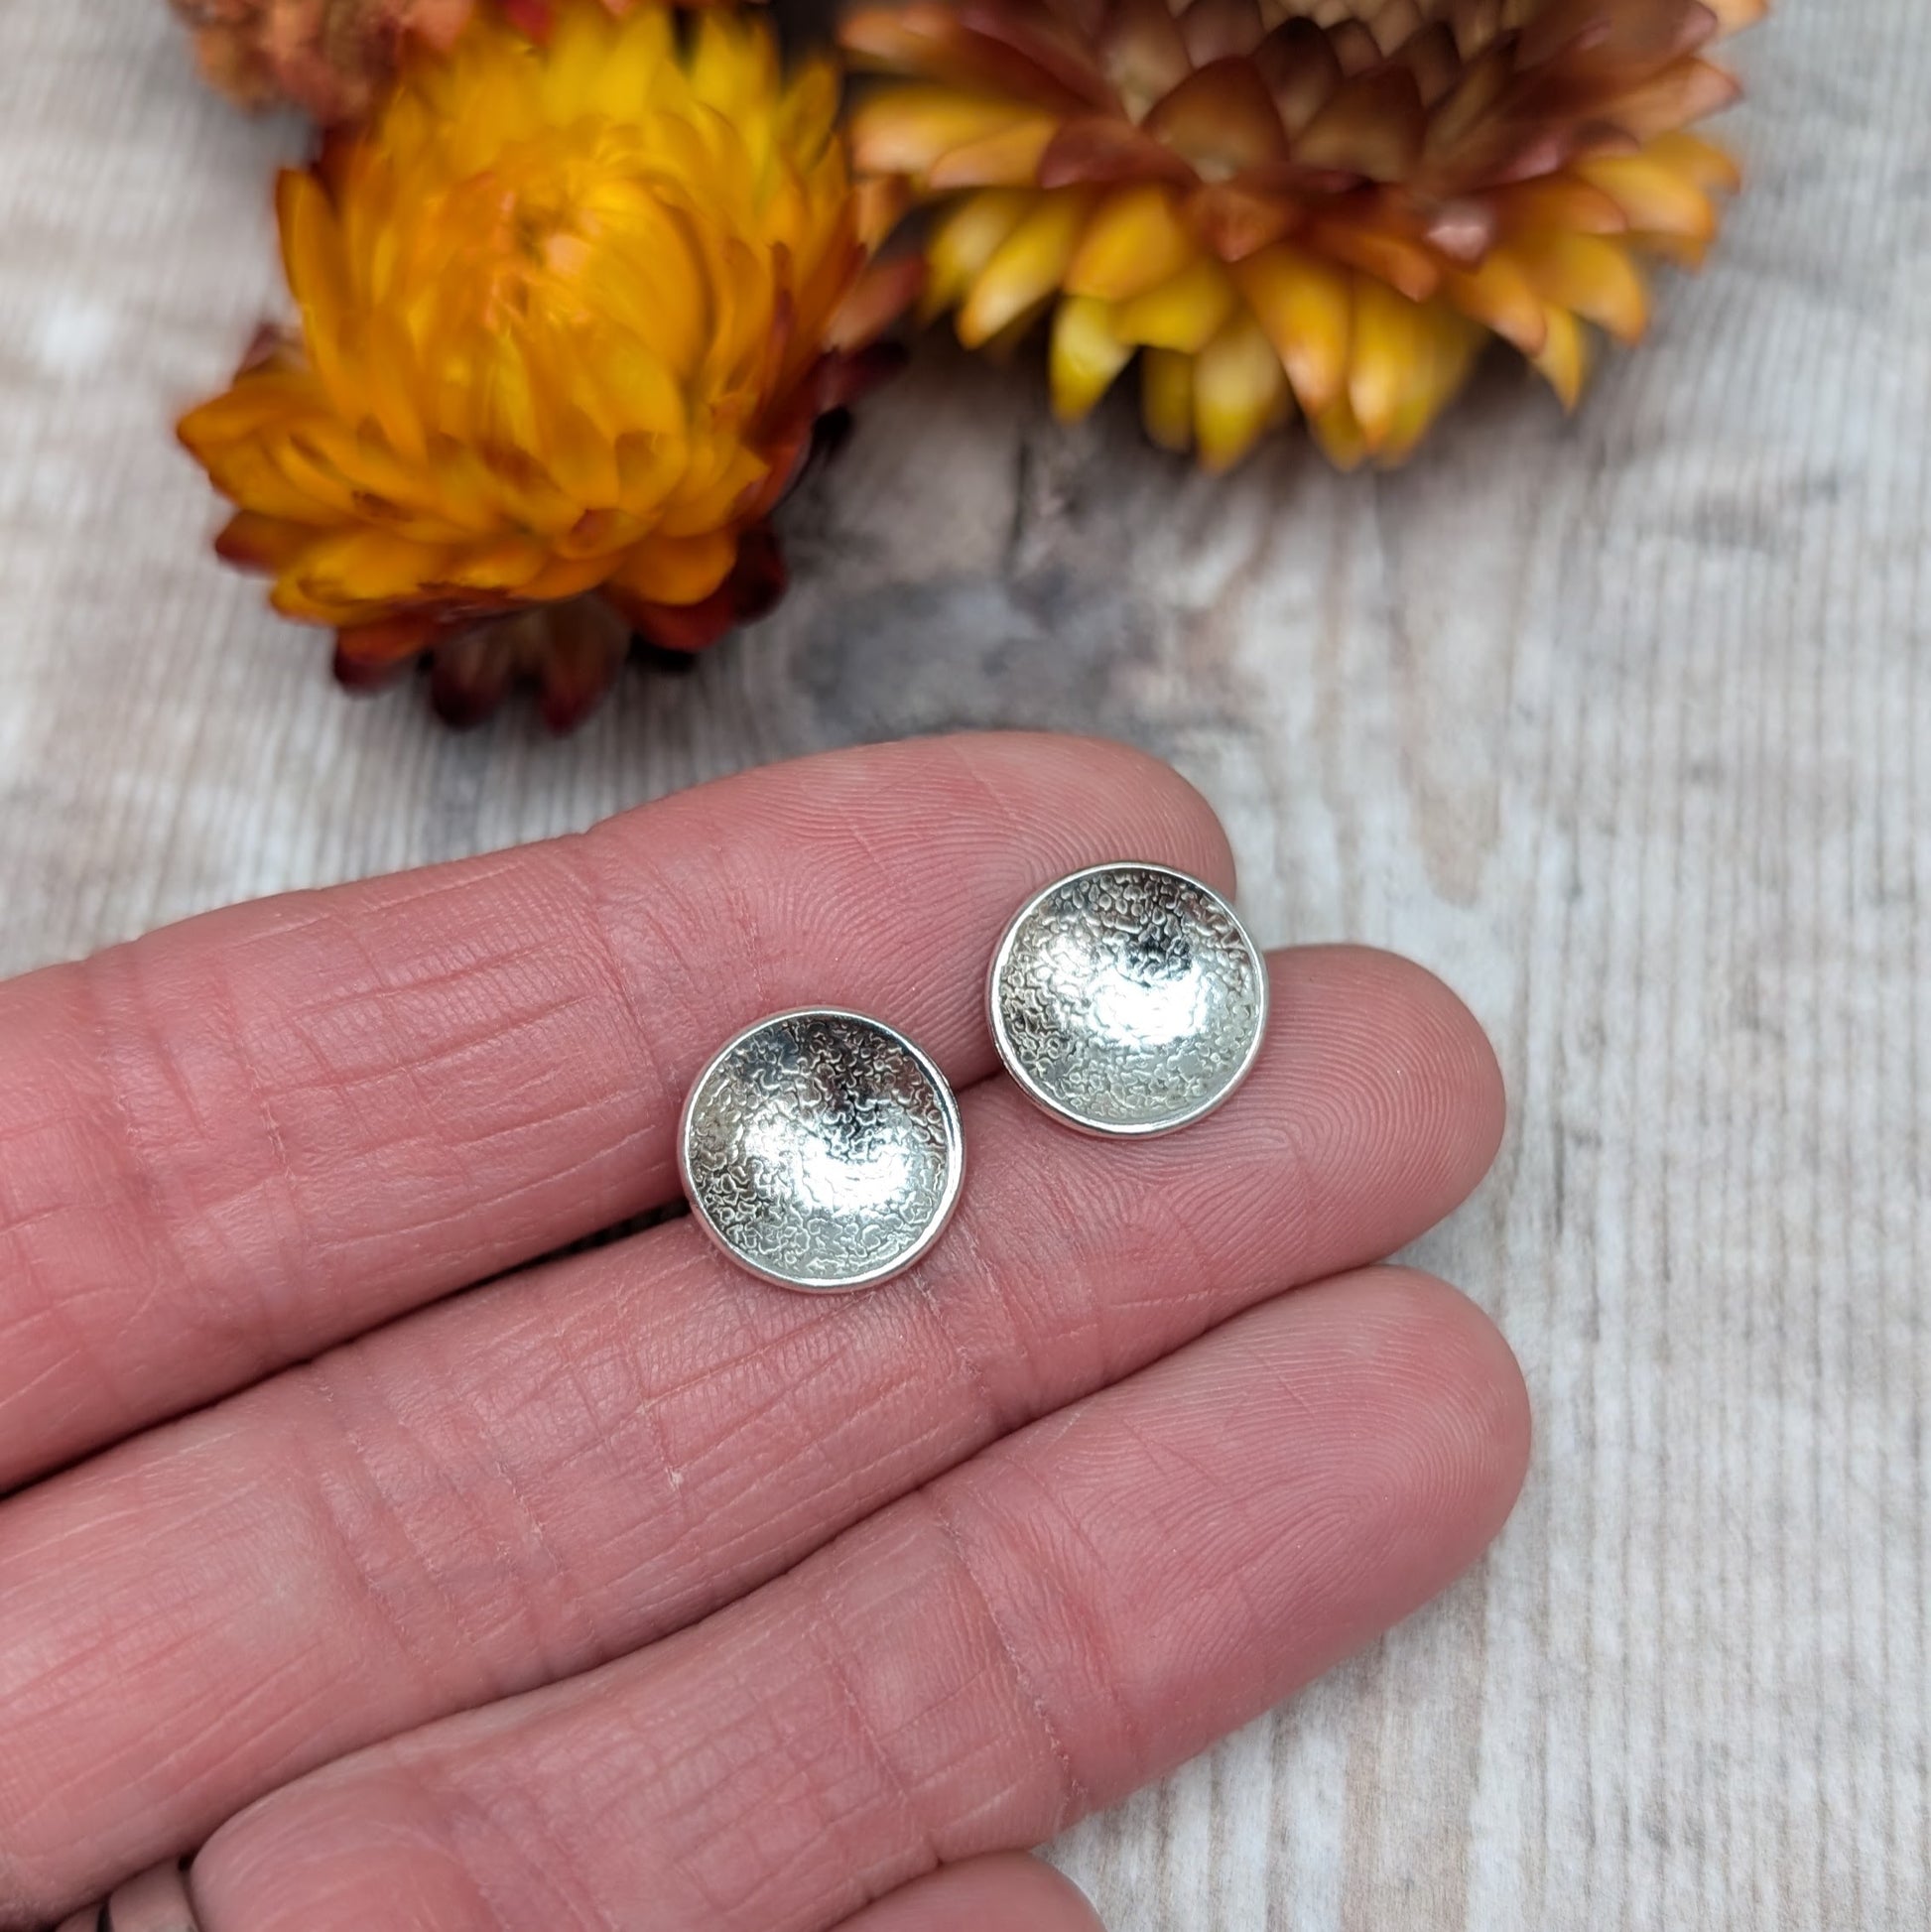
(626, 1591)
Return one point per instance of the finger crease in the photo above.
(1074, 1797)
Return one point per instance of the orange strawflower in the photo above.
(569, 310)
(1328, 203)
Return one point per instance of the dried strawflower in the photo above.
(332, 57)
(1329, 203)
(569, 310)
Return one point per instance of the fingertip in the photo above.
(1378, 1068)
(1497, 1418)
(1472, 1067)
(355, 1845)
(1435, 1037)
(1455, 1398)
(1006, 1891)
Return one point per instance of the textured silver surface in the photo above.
(1128, 999)
(821, 1150)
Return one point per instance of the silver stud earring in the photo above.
(821, 1150)
(1127, 999)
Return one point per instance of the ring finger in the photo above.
(1030, 1636)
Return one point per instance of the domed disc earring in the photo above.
(1127, 999)
(821, 1150)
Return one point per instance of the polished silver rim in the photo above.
(732, 1200)
(1026, 1065)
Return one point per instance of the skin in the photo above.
(623, 1590)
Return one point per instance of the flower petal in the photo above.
(311, 256)
(675, 569)
(1027, 266)
(1166, 398)
(1101, 150)
(1564, 359)
(1010, 156)
(1086, 355)
(1499, 294)
(1681, 94)
(1373, 125)
(905, 130)
(1403, 264)
(254, 541)
(1393, 341)
(364, 567)
(965, 238)
(1339, 433)
(1222, 119)
(1185, 312)
(1135, 239)
(1652, 195)
(1703, 161)
(1306, 307)
(1594, 277)
(1240, 392)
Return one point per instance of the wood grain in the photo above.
(1623, 725)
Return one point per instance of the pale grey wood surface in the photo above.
(1624, 726)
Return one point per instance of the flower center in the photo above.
(520, 238)
(568, 239)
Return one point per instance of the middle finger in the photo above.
(517, 1486)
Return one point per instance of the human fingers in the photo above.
(1033, 1634)
(1005, 1893)
(530, 1480)
(243, 1138)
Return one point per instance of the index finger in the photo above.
(245, 1137)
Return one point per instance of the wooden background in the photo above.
(1624, 727)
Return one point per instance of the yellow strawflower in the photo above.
(568, 309)
(1321, 205)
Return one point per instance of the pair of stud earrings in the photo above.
(822, 1150)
